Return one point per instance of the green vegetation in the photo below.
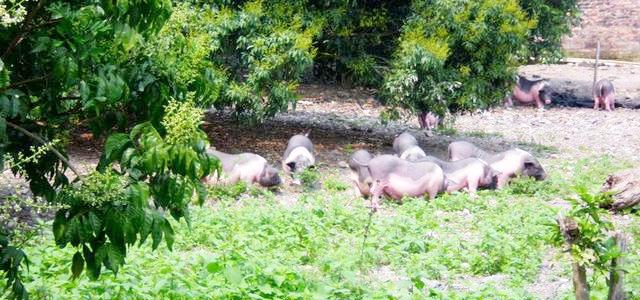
(139, 74)
(453, 247)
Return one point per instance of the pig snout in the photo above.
(269, 177)
(547, 101)
(534, 170)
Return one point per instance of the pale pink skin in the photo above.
(428, 120)
(509, 165)
(361, 188)
(396, 187)
(248, 167)
(607, 102)
(470, 177)
(532, 97)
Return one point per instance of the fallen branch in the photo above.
(625, 189)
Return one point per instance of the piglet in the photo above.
(248, 167)
(398, 178)
(529, 92)
(406, 147)
(471, 173)
(604, 95)
(298, 155)
(508, 164)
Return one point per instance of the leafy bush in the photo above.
(554, 20)
(456, 55)
(594, 247)
(11, 261)
(106, 212)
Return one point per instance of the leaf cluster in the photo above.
(594, 246)
(456, 55)
(12, 259)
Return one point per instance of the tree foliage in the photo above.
(553, 21)
(456, 55)
(139, 72)
(11, 259)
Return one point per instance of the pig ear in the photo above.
(291, 165)
(528, 164)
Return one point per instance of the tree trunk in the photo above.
(571, 233)
(580, 285)
(625, 187)
(616, 274)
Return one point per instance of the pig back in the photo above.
(296, 141)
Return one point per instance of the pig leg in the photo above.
(596, 102)
(453, 187)
(472, 185)
(609, 102)
(421, 120)
(508, 101)
(536, 97)
(502, 181)
(377, 190)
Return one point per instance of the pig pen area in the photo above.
(344, 120)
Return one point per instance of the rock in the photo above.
(343, 164)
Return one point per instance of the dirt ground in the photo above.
(343, 120)
(571, 82)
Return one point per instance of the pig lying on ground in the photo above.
(406, 147)
(529, 92)
(298, 156)
(604, 95)
(471, 173)
(396, 178)
(508, 164)
(248, 167)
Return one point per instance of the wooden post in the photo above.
(571, 233)
(595, 67)
(616, 274)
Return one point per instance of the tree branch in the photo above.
(48, 145)
(26, 29)
(23, 82)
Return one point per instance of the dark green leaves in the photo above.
(77, 265)
(11, 261)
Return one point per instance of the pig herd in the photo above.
(409, 172)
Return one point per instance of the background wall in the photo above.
(615, 22)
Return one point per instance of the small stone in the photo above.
(343, 164)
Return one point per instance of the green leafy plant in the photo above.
(309, 177)
(228, 192)
(334, 184)
(554, 20)
(594, 247)
(11, 261)
(108, 211)
(447, 43)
